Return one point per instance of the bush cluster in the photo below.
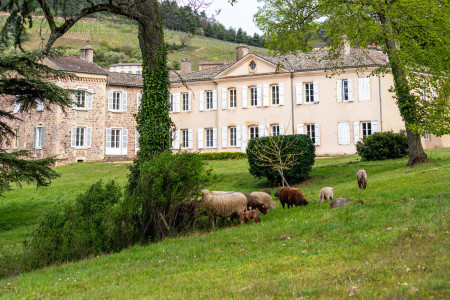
(385, 145)
(223, 155)
(300, 147)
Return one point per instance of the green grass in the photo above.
(395, 243)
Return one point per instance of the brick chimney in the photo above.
(87, 53)
(345, 51)
(186, 66)
(241, 51)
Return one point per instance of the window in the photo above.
(40, 105)
(309, 92)
(275, 94)
(38, 137)
(209, 138)
(253, 96)
(209, 100)
(345, 90)
(311, 131)
(116, 141)
(171, 102)
(80, 135)
(139, 72)
(115, 138)
(16, 104)
(366, 129)
(80, 99)
(185, 99)
(427, 135)
(253, 132)
(184, 138)
(16, 138)
(232, 93)
(233, 141)
(275, 130)
(116, 101)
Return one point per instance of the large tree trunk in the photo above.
(416, 153)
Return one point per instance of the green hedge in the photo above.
(223, 155)
(380, 146)
(300, 145)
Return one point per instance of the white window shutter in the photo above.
(177, 139)
(244, 97)
(177, 102)
(361, 95)
(299, 92)
(90, 96)
(243, 138)
(281, 129)
(89, 137)
(356, 131)
(110, 100)
(40, 105)
(339, 90)
(124, 141)
(138, 101)
(214, 99)
(189, 100)
(136, 142)
(224, 136)
(266, 130)
(261, 130)
(214, 137)
(124, 101)
(316, 91)
(350, 90)
(34, 137)
(238, 136)
(374, 126)
(108, 141)
(281, 86)
(202, 96)
(200, 138)
(224, 98)
(16, 106)
(300, 129)
(74, 104)
(340, 133)
(317, 132)
(346, 133)
(266, 95)
(42, 137)
(190, 139)
(258, 96)
(364, 89)
(73, 137)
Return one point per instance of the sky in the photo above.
(238, 15)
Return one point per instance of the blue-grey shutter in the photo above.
(124, 101)
(88, 137)
(42, 138)
(124, 141)
(73, 137)
(34, 138)
(90, 95)
(110, 101)
(108, 141)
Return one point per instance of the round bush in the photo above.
(383, 145)
(264, 154)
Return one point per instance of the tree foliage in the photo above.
(415, 34)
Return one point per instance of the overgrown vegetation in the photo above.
(288, 156)
(383, 145)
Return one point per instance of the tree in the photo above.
(415, 34)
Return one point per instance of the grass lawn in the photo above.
(394, 246)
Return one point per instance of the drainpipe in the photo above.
(381, 111)
(292, 99)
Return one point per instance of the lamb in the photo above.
(225, 205)
(291, 196)
(326, 193)
(252, 203)
(361, 176)
(264, 198)
(248, 215)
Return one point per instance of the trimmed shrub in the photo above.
(298, 148)
(385, 145)
(73, 231)
(222, 155)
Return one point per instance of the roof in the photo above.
(75, 64)
(215, 62)
(125, 79)
(203, 75)
(126, 64)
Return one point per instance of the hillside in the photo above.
(123, 38)
(394, 246)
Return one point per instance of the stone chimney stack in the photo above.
(186, 66)
(345, 51)
(241, 51)
(87, 53)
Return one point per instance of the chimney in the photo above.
(345, 51)
(87, 53)
(186, 66)
(241, 51)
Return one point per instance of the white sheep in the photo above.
(264, 198)
(361, 177)
(225, 205)
(326, 193)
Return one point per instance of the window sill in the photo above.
(117, 111)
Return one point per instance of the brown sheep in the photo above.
(361, 176)
(248, 215)
(291, 196)
(252, 203)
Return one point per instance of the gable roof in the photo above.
(75, 64)
(125, 79)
